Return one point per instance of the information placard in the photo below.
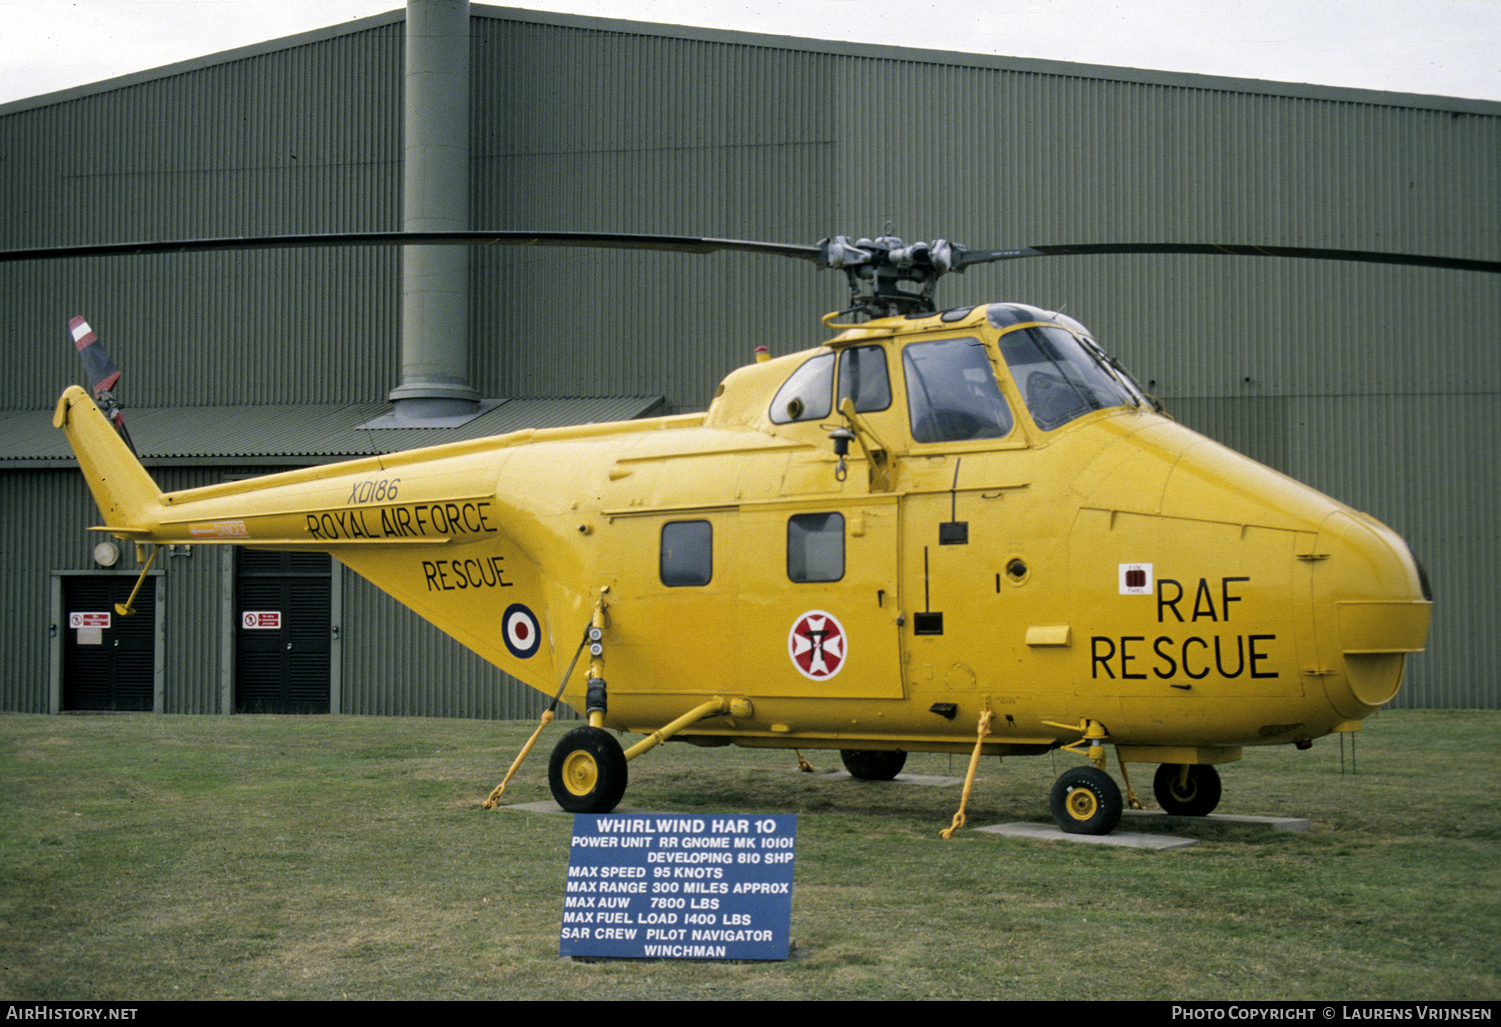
(679, 887)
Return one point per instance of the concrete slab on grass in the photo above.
(1137, 840)
(1294, 824)
(1117, 839)
(549, 806)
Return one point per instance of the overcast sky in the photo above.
(1437, 47)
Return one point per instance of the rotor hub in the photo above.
(889, 277)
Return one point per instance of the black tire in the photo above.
(873, 764)
(1086, 801)
(587, 772)
(1196, 798)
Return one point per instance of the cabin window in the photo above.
(1058, 378)
(952, 394)
(863, 378)
(815, 547)
(806, 396)
(687, 553)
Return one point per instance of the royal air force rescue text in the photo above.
(415, 520)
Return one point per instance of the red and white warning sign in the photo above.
(261, 620)
(1135, 579)
(82, 619)
(817, 645)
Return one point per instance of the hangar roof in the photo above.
(588, 23)
(301, 434)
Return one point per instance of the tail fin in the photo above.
(127, 496)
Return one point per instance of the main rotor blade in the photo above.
(698, 244)
(599, 240)
(1218, 249)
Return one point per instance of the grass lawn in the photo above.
(157, 857)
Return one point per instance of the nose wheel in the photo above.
(1086, 801)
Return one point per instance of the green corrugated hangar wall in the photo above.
(1375, 384)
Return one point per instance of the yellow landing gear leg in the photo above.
(1091, 745)
(1131, 799)
(715, 707)
(1095, 735)
(125, 609)
(969, 778)
(500, 789)
(591, 634)
(594, 699)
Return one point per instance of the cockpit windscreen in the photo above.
(1058, 377)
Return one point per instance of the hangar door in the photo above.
(284, 610)
(109, 661)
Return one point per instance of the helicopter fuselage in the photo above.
(868, 543)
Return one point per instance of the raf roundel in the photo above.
(521, 632)
(817, 645)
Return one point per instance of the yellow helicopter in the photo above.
(964, 530)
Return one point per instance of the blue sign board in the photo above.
(679, 887)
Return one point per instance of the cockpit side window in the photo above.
(1057, 377)
(952, 393)
(805, 396)
(863, 378)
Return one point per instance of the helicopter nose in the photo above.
(1372, 608)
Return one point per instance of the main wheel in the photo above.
(1086, 801)
(873, 764)
(587, 772)
(1195, 797)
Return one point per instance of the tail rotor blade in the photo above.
(101, 369)
(103, 374)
